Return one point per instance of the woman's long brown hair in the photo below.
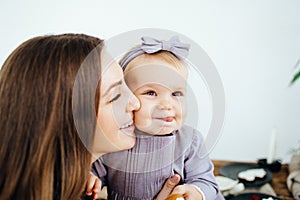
(41, 154)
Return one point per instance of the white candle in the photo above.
(272, 147)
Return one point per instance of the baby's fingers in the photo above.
(96, 188)
(93, 184)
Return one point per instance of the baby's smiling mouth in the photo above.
(166, 119)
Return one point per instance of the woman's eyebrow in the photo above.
(112, 86)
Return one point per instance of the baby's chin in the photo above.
(158, 131)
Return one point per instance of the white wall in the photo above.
(254, 45)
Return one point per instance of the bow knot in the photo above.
(151, 45)
(166, 45)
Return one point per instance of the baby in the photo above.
(157, 75)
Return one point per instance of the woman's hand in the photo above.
(188, 191)
(168, 187)
(93, 186)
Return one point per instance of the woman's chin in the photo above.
(118, 142)
(126, 140)
(128, 131)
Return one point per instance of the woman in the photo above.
(42, 155)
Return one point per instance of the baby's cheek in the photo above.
(139, 120)
(183, 109)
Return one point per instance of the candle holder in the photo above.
(275, 166)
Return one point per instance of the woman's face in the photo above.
(115, 128)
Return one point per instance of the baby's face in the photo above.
(161, 90)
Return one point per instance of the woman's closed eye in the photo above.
(116, 97)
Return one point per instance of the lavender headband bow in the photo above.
(151, 45)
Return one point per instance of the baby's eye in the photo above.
(150, 93)
(177, 94)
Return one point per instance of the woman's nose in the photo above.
(133, 104)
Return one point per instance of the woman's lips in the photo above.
(128, 129)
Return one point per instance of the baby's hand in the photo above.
(93, 186)
(189, 191)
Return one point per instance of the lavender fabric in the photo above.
(139, 173)
(152, 45)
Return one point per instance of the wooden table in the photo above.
(278, 179)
